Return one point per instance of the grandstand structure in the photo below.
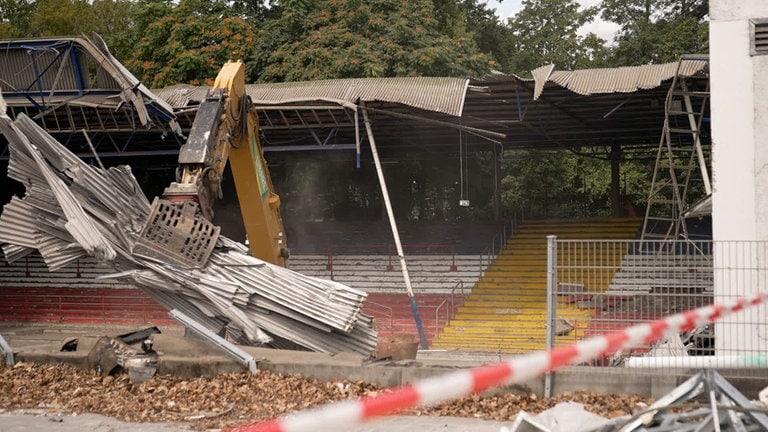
(479, 286)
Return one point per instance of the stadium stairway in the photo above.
(506, 311)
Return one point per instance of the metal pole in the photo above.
(393, 224)
(230, 349)
(357, 140)
(93, 149)
(696, 127)
(551, 298)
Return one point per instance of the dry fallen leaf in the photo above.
(238, 398)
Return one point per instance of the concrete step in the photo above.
(492, 320)
(506, 311)
(493, 346)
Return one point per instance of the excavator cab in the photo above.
(225, 129)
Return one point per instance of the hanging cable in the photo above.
(463, 171)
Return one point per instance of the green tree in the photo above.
(657, 31)
(490, 34)
(549, 184)
(15, 18)
(324, 39)
(546, 32)
(147, 12)
(62, 18)
(114, 20)
(190, 44)
(253, 10)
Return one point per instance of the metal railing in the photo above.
(488, 255)
(384, 316)
(449, 300)
(600, 286)
(80, 305)
(380, 313)
(389, 251)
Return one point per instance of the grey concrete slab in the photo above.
(430, 424)
(19, 422)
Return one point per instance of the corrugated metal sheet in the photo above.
(182, 95)
(541, 76)
(19, 228)
(294, 115)
(614, 80)
(17, 71)
(442, 95)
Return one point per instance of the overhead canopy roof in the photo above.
(556, 109)
(628, 79)
(52, 77)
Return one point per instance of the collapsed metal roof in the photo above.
(74, 76)
(72, 209)
(44, 78)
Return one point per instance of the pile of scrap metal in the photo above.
(72, 209)
(706, 402)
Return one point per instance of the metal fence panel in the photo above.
(600, 286)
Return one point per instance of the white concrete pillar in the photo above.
(739, 107)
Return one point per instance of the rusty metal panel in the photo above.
(182, 95)
(444, 95)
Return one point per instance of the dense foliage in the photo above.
(190, 44)
(540, 37)
(354, 38)
(165, 42)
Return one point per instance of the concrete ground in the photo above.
(189, 357)
(18, 422)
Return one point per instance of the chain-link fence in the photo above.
(600, 286)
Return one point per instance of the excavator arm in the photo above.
(225, 129)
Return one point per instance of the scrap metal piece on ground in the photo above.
(6, 350)
(232, 350)
(138, 336)
(525, 422)
(571, 417)
(141, 374)
(727, 408)
(99, 350)
(563, 417)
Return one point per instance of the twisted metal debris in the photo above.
(72, 209)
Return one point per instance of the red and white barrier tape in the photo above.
(343, 415)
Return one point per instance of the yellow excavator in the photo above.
(225, 129)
